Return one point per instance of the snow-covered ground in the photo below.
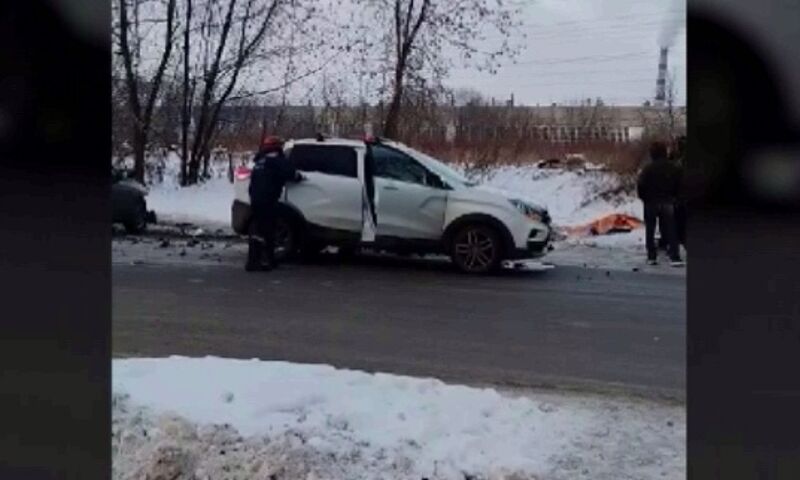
(208, 204)
(571, 196)
(210, 418)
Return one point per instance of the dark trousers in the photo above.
(680, 227)
(680, 223)
(261, 247)
(663, 215)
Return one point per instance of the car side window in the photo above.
(331, 159)
(396, 165)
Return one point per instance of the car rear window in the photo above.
(331, 159)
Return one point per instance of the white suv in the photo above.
(419, 205)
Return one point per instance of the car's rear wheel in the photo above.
(285, 236)
(137, 223)
(476, 248)
(286, 239)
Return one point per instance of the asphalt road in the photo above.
(567, 328)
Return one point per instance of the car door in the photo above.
(331, 195)
(411, 204)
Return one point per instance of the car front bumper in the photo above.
(538, 243)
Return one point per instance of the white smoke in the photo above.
(674, 22)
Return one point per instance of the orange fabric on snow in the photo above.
(616, 222)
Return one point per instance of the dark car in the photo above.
(128, 203)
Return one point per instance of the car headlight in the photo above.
(529, 211)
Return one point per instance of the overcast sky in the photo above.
(578, 49)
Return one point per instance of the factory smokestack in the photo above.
(661, 81)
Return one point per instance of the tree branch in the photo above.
(156, 83)
(245, 50)
(398, 30)
(210, 82)
(420, 20)
(127, 58)
(285, 84)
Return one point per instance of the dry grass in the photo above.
(621, 158)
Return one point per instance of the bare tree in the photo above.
(427, 36)
(234, 39)
(121, 118)
(142, 92)
(187, 89)
(672, 112)
(664, 122)
(212, 77)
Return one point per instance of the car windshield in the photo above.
(447, 173)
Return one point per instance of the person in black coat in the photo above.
(680, 206)
(271, 171)
(658, 188)
(678, 156)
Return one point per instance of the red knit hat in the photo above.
(271, 143)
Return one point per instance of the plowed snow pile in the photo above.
(211, 418)
(572, 197)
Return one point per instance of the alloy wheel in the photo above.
(475, 250)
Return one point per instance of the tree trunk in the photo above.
(390, 126)
(139, 145)
(194, 170)
(186, 112)
(142, 116)
(184, 152)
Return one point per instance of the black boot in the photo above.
(268, 259)
(254, 255)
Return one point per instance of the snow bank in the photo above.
(206, 204)
(311, 421)
(162, 168)
(572, 197)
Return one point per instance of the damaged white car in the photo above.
(386, 196)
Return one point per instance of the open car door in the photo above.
(369, 200)
(339, 193)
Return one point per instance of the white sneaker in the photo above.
(652, 262)
(677, 263)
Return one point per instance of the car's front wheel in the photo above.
(476, 248)
(137, 223)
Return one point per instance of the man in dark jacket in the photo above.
(680, 206)
(658, 188)
(678, 156)
(271, 171)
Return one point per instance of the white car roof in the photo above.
(344, 142)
